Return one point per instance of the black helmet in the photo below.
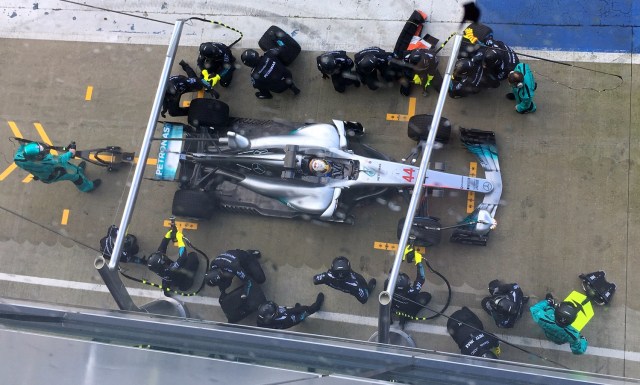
(172, 88)
(340, 266)
(250, 57)
(403, 282)
(213, 277)
(504, 305)
(489, 354)
(210, 50)
(367, 64)
(462, 67)
(328, 63)
(267, 312)
(415, 57)
(566, 313)
(157, 262)
(491, 58)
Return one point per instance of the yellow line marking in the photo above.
(44, 136)
(8, 171)
(412, 107)
(14, 129)
(150, 161)
(200, 94)
(65, 217)
(28, 179)
(471, 195)
(87, 96)
(182, 225)
(186, 103)
(410, 112)
(394, 247)
(393, 117)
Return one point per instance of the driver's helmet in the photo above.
(267, 312)
(403, 283)
(491, 58)
(319, 166)
(250, 57)
(328, 64)
(34, 150)
(367, 64)
(213, 277)
(157, 262)
(566, 313)
(504, 305)
(341, 267)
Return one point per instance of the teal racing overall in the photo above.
(543, 314)
(524, 94)
(51, 169)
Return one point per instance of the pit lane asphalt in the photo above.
(569, 173)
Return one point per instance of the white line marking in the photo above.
(327, 316)
(317, 26)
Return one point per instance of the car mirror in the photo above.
(237, 141)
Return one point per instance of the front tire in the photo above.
(194, 204)
(420, 125)
(205, 112)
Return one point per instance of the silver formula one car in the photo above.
(316, 171)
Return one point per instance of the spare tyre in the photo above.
(275, 37)
(194, 204)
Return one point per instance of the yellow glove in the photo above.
(213, 80)
(418, 258)
(429, 79)
(179, 238)
(414, 257)
(417, 80)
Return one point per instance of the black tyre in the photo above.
(255, 271)
(193, 204)
(408, 31)
(131, 244)
(236, 309)
(275, 37)
(208, 113)
(480, 31)
(419, 126)
(424, 230)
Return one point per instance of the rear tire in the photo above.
(193, 204)
(420, 125)
(208, 113)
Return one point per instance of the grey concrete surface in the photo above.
(569, 172)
